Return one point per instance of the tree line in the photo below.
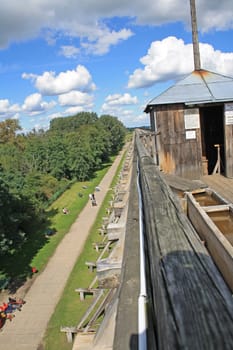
(34, 167)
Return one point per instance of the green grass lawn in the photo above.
(60, 222)
(37, 249)
(70, 309)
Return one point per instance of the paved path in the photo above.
(26, 331)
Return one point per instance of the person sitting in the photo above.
(34, 270)
(7, 309)
(65, 211)
(19, 301)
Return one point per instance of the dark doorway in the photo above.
(212, 130)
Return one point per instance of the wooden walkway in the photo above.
(191, 304)
(220, 184)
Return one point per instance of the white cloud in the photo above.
(76, 98)
(112, 110)
(4, 106)
(55, 115)
(115, 104)
(7, 110)
(122, 106)
(105, 39)
(51, 84)
(214, 14)
(69, 111)
(34, 104)
(215, 60)
(119, 100)
(85, 19)
(69, 51)
(74, 110)
(132, 119)
(171, 57)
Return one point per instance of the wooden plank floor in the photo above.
(220, 184)
(191, 304)
(181, 184)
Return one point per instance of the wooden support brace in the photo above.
(91, 265)
(216, 208)
(102, 231)
(108, 211)
(83, 291)
(99, 245)
(69, 332)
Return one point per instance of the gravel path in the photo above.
(26, 330)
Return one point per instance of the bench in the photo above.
(105, 220)
(91, 265)
(83, 291)
(102, 231)
(104, 227)
(108, 211)
(99, 245)
(69, 332)
(74, 330)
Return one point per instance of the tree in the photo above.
(80, 160)
(8, 129)
(14, 220)
(37, 166)
(69, 124)
(116, 131)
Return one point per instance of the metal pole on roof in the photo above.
(196, 53)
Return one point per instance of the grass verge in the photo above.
(61, 223)
(70, 309)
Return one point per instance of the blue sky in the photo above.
(60, 57)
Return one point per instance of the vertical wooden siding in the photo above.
(229, 150)
(177, 155)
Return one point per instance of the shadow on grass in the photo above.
(16, 266)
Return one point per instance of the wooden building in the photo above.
(193, 125)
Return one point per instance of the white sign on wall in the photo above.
(190, 134)
(229, 113)
(191, 119)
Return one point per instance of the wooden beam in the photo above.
(196, 53)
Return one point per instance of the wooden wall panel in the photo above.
(177, 155)
(229, 150)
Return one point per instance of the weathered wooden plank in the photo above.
(182, 184)
(221, 250)
(215, 208)
(103, 305)
(98, 296)
(229, 150)
(69, 332)
(91, 265)
(177, 154)
(83, 291)
(222, 185)
(192, 304)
